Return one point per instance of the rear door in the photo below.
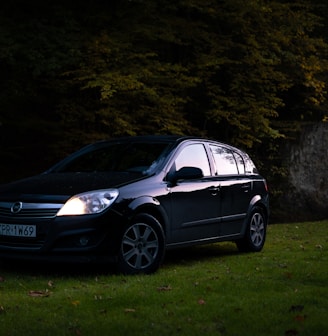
(235, 189)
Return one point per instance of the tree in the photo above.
(217, 68)
(234, 70)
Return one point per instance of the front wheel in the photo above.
(142, 246)
(254, 238)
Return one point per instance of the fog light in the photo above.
(84, 240)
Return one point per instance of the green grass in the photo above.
(212, 290)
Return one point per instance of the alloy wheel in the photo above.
(257, 229)
(140, 246)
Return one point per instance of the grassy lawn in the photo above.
(210, 290)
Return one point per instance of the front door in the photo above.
(194, 203)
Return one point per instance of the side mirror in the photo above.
(185, 173)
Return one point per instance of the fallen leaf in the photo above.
(296, 308)
(33, 293)
(164, 288)
(74, 328)
(201, 302)
(2, 310)
(129, 310)
(77, 332)
(300, 318)
(288, 275)
(291, 332)
(75, 303)
(2, 279)
(238, 310)
(50, 283)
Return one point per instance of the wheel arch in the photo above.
(151, 206)
(253, 234)
(259, 201)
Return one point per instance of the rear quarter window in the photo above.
(250, 166)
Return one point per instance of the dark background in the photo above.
(73, 72)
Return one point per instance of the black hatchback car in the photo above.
(129, 199)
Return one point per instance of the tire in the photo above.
(142, 246)
(255, 235)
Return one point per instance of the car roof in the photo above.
(173, 139)
(146, 138)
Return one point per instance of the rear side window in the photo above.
(225, 161)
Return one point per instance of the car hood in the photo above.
(57, 187)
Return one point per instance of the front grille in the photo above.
(29, 210)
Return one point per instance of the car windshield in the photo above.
(141, 158)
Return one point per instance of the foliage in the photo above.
(224, 68)
(211, 289)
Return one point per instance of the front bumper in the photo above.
(88, 238)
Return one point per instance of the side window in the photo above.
(224, 161)
(193, 156)
(240, 163)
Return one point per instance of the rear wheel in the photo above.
(142, 246)
(255, 234)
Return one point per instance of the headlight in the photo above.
(92, 202)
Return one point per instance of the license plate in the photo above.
(17, 230)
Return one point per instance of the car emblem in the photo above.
(16, 207)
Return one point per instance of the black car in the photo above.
(129, 199)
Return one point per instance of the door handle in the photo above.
(214, 190)
(246, 187)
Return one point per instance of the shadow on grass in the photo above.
(178, 257)
(32, 268)
(194, 254)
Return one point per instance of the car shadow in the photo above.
(31, 268)
(177, 257)
(195, 254)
